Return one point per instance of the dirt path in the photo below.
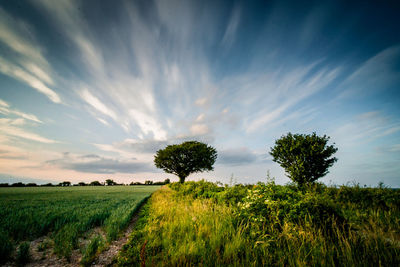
(107, 256)
(46, 256)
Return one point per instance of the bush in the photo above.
(200, 189)
(276, 205)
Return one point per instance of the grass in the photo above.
(202, 224)
(65, 213)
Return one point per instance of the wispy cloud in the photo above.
(18, 73)
(8, 127)
(365, 127)
(68, 18)
(30, 66)
(286, 88)
(6, 110)
(97, 104)
(373, 75)
(229, 35)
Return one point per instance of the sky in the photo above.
(90, 90)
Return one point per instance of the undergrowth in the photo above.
(204, 224)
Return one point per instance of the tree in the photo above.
(110, 182)
(95, 183)
(305, 158)
(186, 158)
(65, 183)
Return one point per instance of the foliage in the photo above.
(65, 213)
(110, 182)
(205, 224)
(186, 158)
(305, 158)
(278, 205)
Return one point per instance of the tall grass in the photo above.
(267, 224)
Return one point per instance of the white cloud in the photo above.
(266, 118)
(199, 129)
(374, 75)
(13, 33)
(103, 121)
(148, 124)
(201, 101)
(200, 118)
(365, 127)
(97, 104)
(287, 89)
(4, 103)
(4, 109)
(15, 72)
(8, 128)
(30, 65)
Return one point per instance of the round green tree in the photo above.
(305, 158)
(186, 158)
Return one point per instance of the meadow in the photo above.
(64, 215)
(205, 224)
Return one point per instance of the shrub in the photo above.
(276, 205)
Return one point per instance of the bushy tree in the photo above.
(186, 158)
(95, 183)
(110, 182)
(305, 158)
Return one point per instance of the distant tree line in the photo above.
(108, 182)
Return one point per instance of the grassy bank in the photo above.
(267, 224)
(65, 214)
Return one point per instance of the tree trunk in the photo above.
(181, 179)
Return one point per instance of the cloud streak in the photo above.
(8, 127)
(6, 110)
(30, 67)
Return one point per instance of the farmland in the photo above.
(66, 214)
(206, 224)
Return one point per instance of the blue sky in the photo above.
(90, 90)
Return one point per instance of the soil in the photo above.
(107, 256)
(46, 257)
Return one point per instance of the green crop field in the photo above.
(65, 214)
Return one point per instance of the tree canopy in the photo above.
(186, 158)
(305, 158)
